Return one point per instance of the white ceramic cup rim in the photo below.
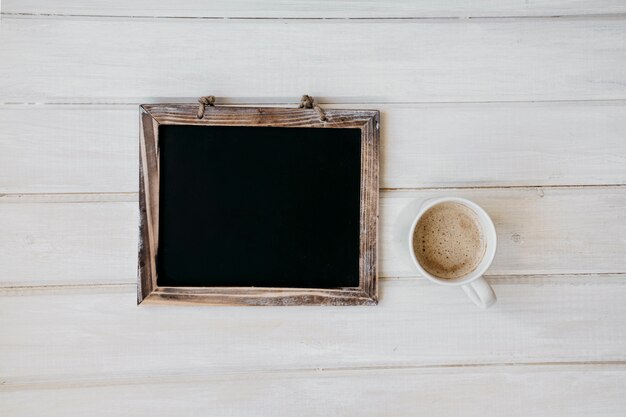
(489, 234)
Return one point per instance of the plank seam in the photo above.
(509, 279)
(316, 18)
(273, 101)
(508, 187)
(132, 196)
(68, 381)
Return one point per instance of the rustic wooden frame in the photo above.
(154, 115)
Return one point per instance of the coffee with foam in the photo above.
(448, 240)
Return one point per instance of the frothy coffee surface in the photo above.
(448, 240)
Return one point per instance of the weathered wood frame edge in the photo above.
(154, 115)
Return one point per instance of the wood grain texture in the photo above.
(318, 9)
(503, 144)
(149, 180)
(538, 391)
(98, 333)
(61, 243)
(52, 240)
(155, 115)
(94, 148)
(266, 297)
(145, 255)
(68, 149)
(185, 114)
(74, 59)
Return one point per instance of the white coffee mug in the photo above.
(474, 285)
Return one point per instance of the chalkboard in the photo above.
(258, 206)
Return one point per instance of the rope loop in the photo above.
(205, 101)
(307, 102)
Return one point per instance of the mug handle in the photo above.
(480, 292)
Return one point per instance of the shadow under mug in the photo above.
(474, 284)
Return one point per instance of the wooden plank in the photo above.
(53, 149)
(62, 242)
(99, 333)
(319, 9)
(66, 240)
(538, 391)
(93, 148)
(504, 144)
(540, 230)
(75, 59)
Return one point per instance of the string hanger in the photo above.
(205, 101)
(307, 102)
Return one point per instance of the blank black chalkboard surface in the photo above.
(258, 206)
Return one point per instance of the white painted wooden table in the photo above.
(520, 106)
